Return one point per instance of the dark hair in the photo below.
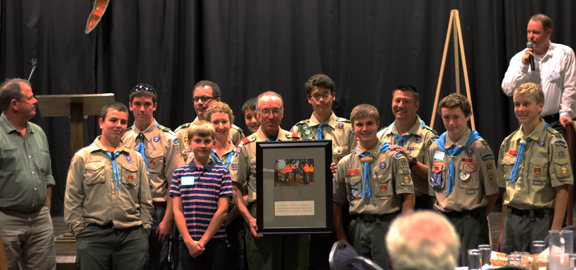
(215, 88)
(364, 110)
(113, 105)
(319, 80)
(544, 20)
(407, 88)
(143, 90)
(9, 90)
(455, 100)
(249, 104)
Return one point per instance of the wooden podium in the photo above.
(75, 106)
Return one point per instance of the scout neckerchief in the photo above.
(228, 160)
(141, 148)
(519, 155)
(454, 152)
(113, 157)
(367, 160)
(401, 139)
(319, 132)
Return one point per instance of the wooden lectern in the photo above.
(75, 106)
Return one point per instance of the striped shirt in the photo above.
(200, 190)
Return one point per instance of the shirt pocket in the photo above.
(9, 159)
(129, 175)
(94, 173)
(354, 187)
(339, 151)
(563, 170)
(508, 166)
(382, 184)
(155, 162)
(468, 175)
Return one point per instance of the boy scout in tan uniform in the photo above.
(270, 251)
(161, 151)
(108, 202)
(464, 180)
(535, 201)
(375, 201)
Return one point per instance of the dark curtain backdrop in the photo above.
(249, 46)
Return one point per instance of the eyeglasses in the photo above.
(275, 111)
(324, 96)
(204, 99)
(142, 87)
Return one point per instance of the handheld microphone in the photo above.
(529, 45)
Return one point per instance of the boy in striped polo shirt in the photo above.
(201, 192)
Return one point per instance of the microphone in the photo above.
(529, 45)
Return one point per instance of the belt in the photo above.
(159, 204)
(373, 218)
(4, 209)
(552, 118)
(533, 213)
(463, 213)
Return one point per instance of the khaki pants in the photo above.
(30, 238)
(277, 252)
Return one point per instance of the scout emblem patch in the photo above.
(537, 171)
(354, 190)
(561, 154)
(406, 180)
(130, 179)
(238, 150)
(433, 139)
(310, 137)
(186, 140)
(129, 159)
(156, 139)
(470, 167)
(175, 141)
(398, 155)
(541, 143)
(383, 188)
(340, 126)
(234, 166)
(383, 165)
(152, 163)
(560, 144)
(470, 151)
(436, 180)
(491, 179)
(418, 139)
(487, 157)
(464, 175)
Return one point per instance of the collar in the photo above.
(416, 129)
(193, 167)
(535, 135)
(261, 137)
(97, 146)
(460, 143)
(331, 121)
(375, 150)
(231, 148)
(148, 132)
(7, 126)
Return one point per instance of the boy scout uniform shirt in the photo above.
(91, 196)
(545, 164)
(338, 129)
(389, 176)
(236, 134)
(243, 167)
(162, 155)
(475, 174)
(417, 147)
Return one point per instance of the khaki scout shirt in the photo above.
(416, 146)
(339, 130)
(235, 136)
(545, 164)
(475, 174)
(91, 196)
(389, 176)
(243, 167)
(162, 154)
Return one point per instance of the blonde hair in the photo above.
(534, 91)
(364, 110)
(201, 128)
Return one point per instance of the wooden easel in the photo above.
(454, 23)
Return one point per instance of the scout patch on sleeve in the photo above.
(434, 138)
(560, 144)
(175, 142)
(439, 155)
(491, 179)
(398, 155)
(561, 153)
(406, 181)
(487, 157)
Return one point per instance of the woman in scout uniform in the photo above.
(535, 170)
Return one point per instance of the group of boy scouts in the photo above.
(127, 190)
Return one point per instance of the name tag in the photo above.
(439, 155)
(187, 180)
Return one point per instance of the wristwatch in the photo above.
(413, 162)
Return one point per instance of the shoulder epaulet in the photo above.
(342, 119)
(484, 142)
(165, 129)
(431, 130)
(295, 135)
(302, 122)
(244, 140)
(237, 128)
(434, 138)
(182, 127)
(554, 132)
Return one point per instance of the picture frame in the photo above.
(294, 187)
